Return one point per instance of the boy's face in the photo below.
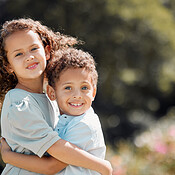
(26, 54)
(74, 91)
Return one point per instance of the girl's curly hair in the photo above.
(70, 58)
(54, 39)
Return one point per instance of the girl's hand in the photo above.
(5, 149)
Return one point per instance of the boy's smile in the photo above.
(74, 91)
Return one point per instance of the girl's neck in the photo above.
(31, 86)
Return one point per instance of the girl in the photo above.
(27, 117)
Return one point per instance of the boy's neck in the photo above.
(61, 113)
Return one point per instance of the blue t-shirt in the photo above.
(84, 131)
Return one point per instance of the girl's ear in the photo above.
(51, 93)
(47, 52)
(9, 69)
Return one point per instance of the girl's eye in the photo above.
(35, 48)
(84, 88)
(18, 54)
(68, 88)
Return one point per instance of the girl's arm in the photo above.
(62, 150)
(71, 154)
(44, 165)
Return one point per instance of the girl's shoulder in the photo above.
(17, 92)
(16, 95)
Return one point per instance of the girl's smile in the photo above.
(27, 57)
(32, 66)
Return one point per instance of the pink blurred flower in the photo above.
(172, 131)
(119, 171)
(160, 147)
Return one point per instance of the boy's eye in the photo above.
(68, 88)
(84, 88)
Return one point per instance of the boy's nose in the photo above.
(77, 95)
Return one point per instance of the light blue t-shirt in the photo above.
(84, 131)
(27, 122)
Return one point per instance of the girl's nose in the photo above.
(29, 57)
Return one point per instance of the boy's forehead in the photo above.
(75, 72)
(73, 75)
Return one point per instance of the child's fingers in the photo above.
(0, 143)
(2, 140)
(4, 145)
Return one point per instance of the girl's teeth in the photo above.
(32, 66)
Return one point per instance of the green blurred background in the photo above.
(133, 43)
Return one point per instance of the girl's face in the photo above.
(74, 91)
(26, 54)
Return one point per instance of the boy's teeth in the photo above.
(75, 104)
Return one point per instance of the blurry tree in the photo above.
(133, 43)
(144, 83)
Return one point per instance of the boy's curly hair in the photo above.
(70, 58)
(54, 39)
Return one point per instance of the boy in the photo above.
(72, 79)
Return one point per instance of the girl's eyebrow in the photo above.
(34, 45)
(17, 50)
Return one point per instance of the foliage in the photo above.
(152, 153)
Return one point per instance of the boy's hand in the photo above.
(5, 149)
(108, 170)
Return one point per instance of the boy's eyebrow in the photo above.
(85, 81)
(70, 83)
(67, 83)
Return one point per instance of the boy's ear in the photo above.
(94, 93)
(47, 52)
(51, 93)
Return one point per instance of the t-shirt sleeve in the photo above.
(29, 128)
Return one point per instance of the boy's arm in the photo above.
(44, 165)
(71, 154)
